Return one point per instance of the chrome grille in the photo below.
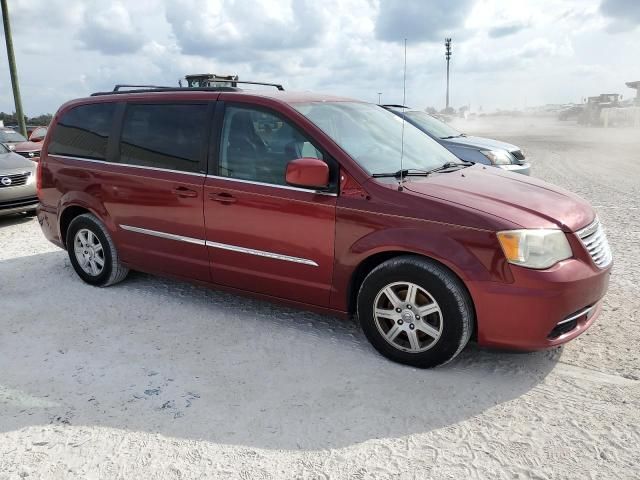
(595, 241)
(14, 180)
(518, 154)
(29, 155)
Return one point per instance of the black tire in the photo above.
(113, 271)
(455, 321)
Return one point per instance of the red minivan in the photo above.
(324, 203)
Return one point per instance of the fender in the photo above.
(469, 253)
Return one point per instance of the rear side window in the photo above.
(83, 131)
(164, 136)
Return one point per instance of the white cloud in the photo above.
(503, 51)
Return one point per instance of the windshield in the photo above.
(432, 125)
(372, 136)
(3, 149)
(11, 136)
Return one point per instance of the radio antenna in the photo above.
(404, 109)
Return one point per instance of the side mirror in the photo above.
(307, 173)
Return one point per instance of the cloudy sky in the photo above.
(506, 54)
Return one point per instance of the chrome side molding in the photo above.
(221, 246)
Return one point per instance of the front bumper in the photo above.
(18, 205)
(525, 314)
(523, 168)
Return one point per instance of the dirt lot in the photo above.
(159, 379)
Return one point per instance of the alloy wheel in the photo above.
(408, 317)
(89, 252)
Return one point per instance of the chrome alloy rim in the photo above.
(408, 317)
(89, 252)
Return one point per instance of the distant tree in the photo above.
(12, 119)
(430, 110)
(44, 119)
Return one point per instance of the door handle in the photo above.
(222, 197)
(185, 192)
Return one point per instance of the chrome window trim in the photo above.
(169, 236)
(84, 159)
(273, 185)
(222, 246)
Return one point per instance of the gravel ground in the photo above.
(155, 378)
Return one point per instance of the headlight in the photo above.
(497, 157)
(534, 248)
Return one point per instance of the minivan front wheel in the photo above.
(92, 252)
(415, 311)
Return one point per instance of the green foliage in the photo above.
(12, 119)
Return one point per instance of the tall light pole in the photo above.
(12, 68)
(447, 55)
(379, 98)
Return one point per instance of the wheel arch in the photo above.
(372, 261)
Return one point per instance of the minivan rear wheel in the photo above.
(415, 311)
(92, 252)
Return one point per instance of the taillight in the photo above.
(39, 177)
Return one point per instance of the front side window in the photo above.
(164, 136)
(257, 145)
(375, 137)
(84, 131)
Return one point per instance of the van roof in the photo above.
(208, 93)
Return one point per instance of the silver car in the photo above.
(473, 149)
(17, 183)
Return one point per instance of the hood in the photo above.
(480, 143)
(28, 146)
(519, 199)
(12, 161)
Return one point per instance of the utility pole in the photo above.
(447, 55)
(12, 68)
(379, 98)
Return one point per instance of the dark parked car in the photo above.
(17, 184)
(472, 149)
(300, 198)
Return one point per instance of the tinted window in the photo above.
(84, 131)
(257, 145)
(164, 136)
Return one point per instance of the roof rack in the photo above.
(131, 88)
(154, 89)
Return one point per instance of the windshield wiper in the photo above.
(405, 172)
(453, 136)
(416, 172)
(448, 165)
